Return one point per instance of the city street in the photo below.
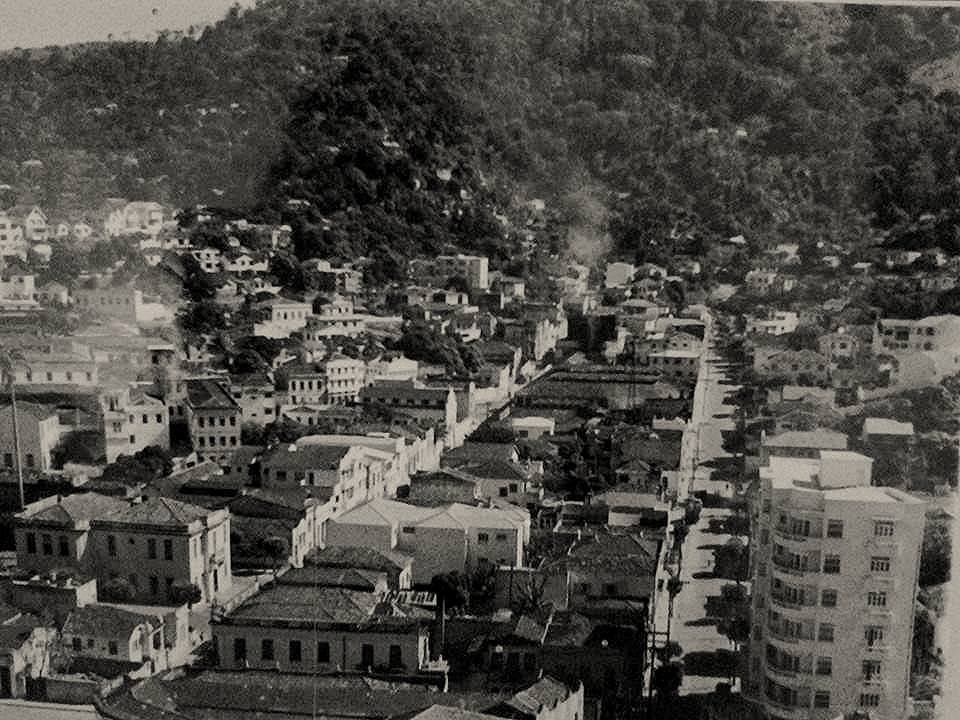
(691, 626)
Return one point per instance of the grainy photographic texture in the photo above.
(477, 359)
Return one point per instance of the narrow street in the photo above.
(691, 625)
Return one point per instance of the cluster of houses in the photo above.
(314, 514)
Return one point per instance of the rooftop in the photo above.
(209, 394)
(358, 557)
(157, 511)
(75, 508)
(885, 426)
(106, 620)
(817, 439)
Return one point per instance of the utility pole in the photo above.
(8, 361)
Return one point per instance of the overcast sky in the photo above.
(34, 23)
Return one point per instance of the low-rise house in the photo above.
(56, 364)
(105, 632)
(33, 221)
(676, 365)
(389, 451)
(397, 369)
(533, 427)
(214, 419)
(440, 539)
(25, 649)
(115, 302)
(132, 421)
(297, 629)
(209, 258)
(283, 317)
(800, 444)
(257, 520)
(546, 699)
(885, 431)
(841, 344)
(396, 566)
(413, 398)
(778, 322)
(13, 244)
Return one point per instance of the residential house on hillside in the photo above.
(437, 404)
(32, 220)
(159, 547)
(929, 334)
(777, 322)
(254, 393)
(26, 645)
(800, 444)
(282, 317)
(257, 518)
(618, 274)
(13, 244)
(132, 421)
(795, 367)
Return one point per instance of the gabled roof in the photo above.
(817, 439)
(358, 557)
(106, 621)
(328, 605)
(471, 452)
(157, 511)
(349, 578)
(307, 456)
(77, 508)
(546, 692)
(209, 395)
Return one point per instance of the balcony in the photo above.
(788, 565)
(782, 601)
(778, 633)
(785, 533)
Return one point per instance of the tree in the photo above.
(669, 650)
(667, 680)
(732, 560)
(734, 621)
(117, 590)
(936, 552)
(186, 594)
(205, 317)
(452, 590)
(144, 466)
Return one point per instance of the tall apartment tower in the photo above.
(835, 567)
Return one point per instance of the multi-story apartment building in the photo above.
(214, 419)
(835, 567)
(930, 334)
(159, 546)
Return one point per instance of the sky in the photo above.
(35, 23)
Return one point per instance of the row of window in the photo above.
(202, 421)
(203, 441)
(48, 376)
(28, 460)
(268, 652)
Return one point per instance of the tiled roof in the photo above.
(494, 470)
(479, 452)
(568, 629)
(350, 578)
(209, 394)
(106, 621)
(358, 557)
(328, 605)
(388, 389)
(546, 692)
(818, 439)
(78, 508)
(306, 457)
(157, 511)
(13, 635)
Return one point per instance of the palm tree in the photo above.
(9, 359)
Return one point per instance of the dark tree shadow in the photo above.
(718, 663)
(702, 622)
(704, 575)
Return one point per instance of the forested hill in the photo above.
(405, 127)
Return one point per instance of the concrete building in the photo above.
(133, 421)
(255, 395)
(158, 546)
(778, 322)
(835, 566)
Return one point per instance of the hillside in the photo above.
(650, 127)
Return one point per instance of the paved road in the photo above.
(691, 627)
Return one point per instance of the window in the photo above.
(831, 564)
(396, 656)
(31, 543)
(883, 528)
(483, 538)
(266, 649)
(821, 699)
(296, 651)
(879, 564)
(145, 419)
(151, 549)
(168, 549)
(503, 492)
(764, 536)
(835, 528)
(159, 418)
(8, 459)
(824, 666)
(501, 537)
(89, 642)
(873, 634)
(825, 632)
(154, 585)
(239, 650)
(869, 700)
(877, 598)
(111, 546)
(64, 545)
(47, 543)
(828, 598)
(323, 652)
(871, 670)
(366, 655)
(112, 647)
(133, 439)
(30, 460)
(169, 583)
(77, 644)
(610, 589)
